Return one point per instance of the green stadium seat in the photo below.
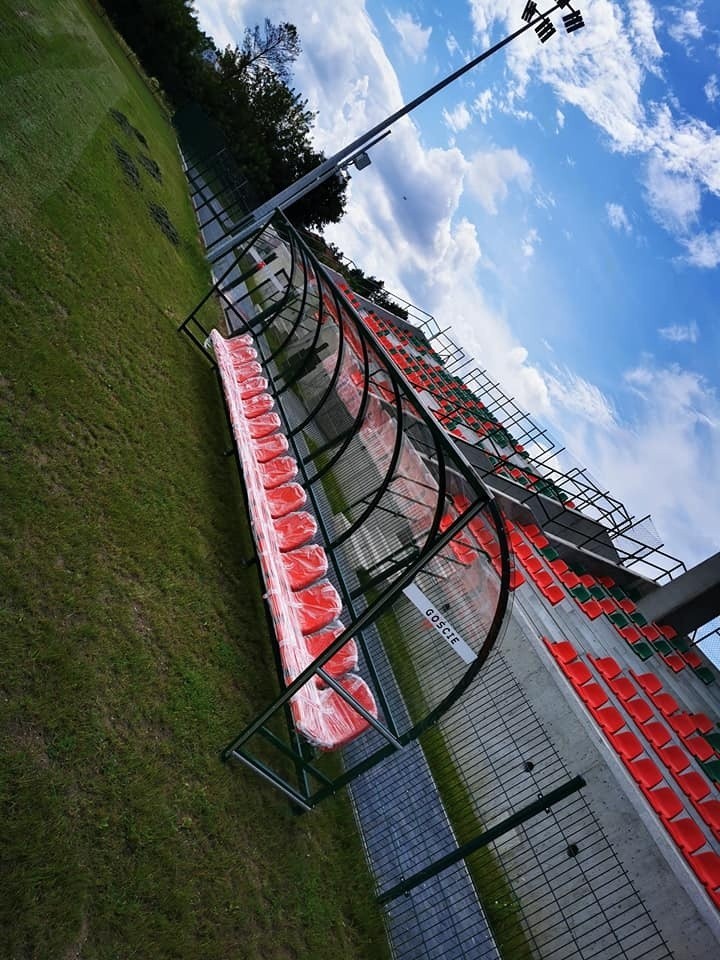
(712, 769)
(706, 675)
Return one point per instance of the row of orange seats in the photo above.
(660, 745)
(304, 605)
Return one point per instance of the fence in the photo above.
(457, 759)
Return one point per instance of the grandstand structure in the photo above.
(534, 762)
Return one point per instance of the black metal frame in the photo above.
(289, 315)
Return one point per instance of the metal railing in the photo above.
(393, 500)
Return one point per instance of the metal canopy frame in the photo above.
(387, 515)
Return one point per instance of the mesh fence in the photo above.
(417, 555)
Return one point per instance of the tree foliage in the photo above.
(274, 47)
(245, 90)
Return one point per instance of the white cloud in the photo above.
(581, 398)
(686, 25)
(617, 217)
(559, 119)
(602, 70)
(482, 105)
(673, 437)
(490, 173)
(642, 32)
(452, 45)
(677, 333)
(673, 200)
(414, 38)
(703, 250)
(712, 91)
(423, 249)
(457, 119)
(529, 243)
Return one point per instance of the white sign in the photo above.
(419, 600)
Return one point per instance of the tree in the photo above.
(272, 46)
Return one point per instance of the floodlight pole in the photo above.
(532, 18)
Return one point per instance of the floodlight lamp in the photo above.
(544, 30)
(573, 21)
(362, 160)
(529, 11)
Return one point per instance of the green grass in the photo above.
(133, 640)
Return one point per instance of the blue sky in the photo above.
(559, 206)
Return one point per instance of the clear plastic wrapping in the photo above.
(242, 354)
(320, 713)
(246, 370)
(294, 530)
(305, 565)
(267, 448)
(277, 471)
(328, 720)
(257, 406)
(285, 499)
(318, 606)
(344, 661)
(252, 387)
(263, 425)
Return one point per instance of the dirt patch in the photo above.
(152, 168)
(121, 120)
(74, 952)
(140, 137)
(30, 741)
(162, 219)
(127, 164)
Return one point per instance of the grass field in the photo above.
(133, 640)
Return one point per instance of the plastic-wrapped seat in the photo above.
(317, 606)
(286, 498)
(252, 387)
(242, 354)
(258, 405)
(333, 722)
(278, 471)
(267, 448)
(295, 530)
(246, 370)
(263, 425)
(305, 565)
(342, 662)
